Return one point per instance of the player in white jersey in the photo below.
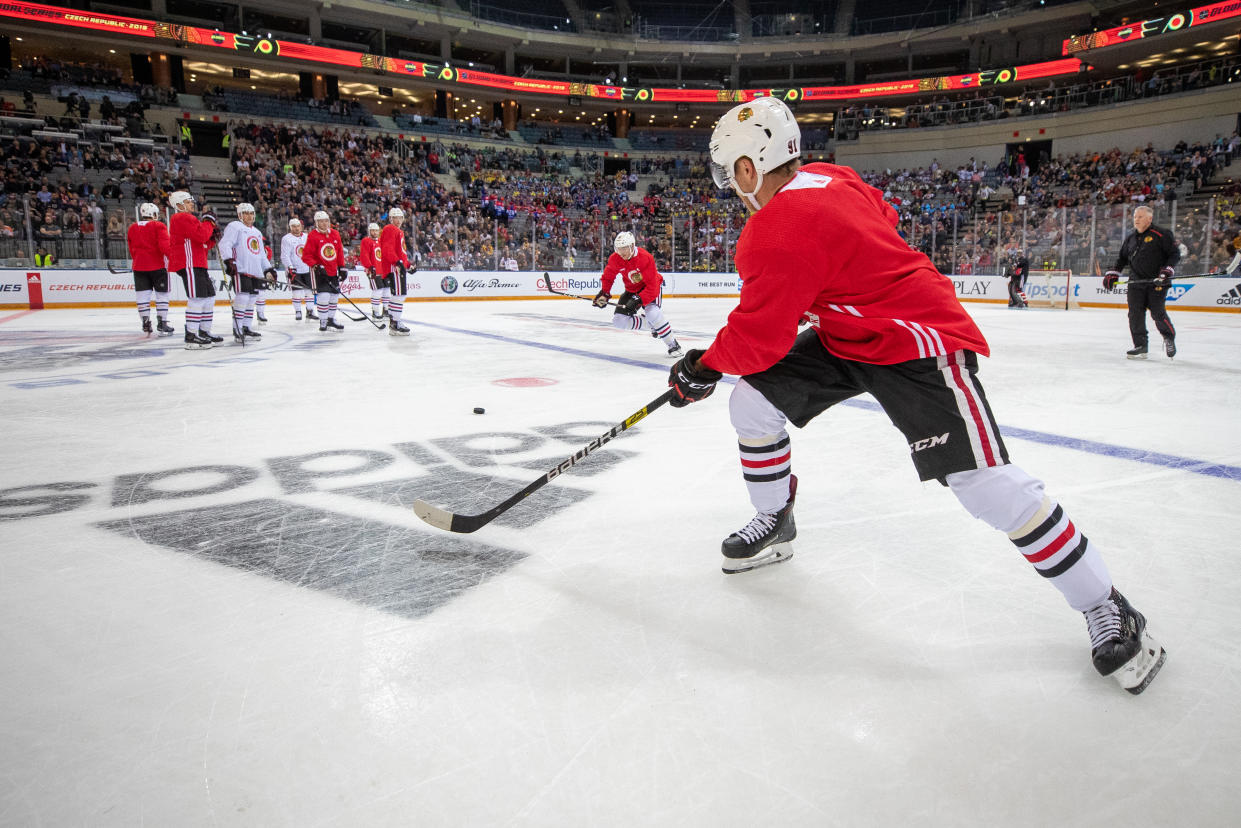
(292, 245)
(245, 261)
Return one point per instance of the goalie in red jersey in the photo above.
(821, 246)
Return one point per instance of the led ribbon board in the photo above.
(253, 46)
(1153, 27)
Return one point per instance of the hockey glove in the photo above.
(691, 380)
(1164, 278)
(320, 272)
(602, 298)
(1110, 279)
(370, 273)
(629, 304)
(230, 267)
(270, 274)
(210, 216)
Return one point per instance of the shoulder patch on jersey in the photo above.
(808, 181)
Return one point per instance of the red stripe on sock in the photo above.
(759, 464)
(1055, 546)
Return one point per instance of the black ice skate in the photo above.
(262, 319)
(238, 337)
(210, 338)
(397, 329)
(298, 317)
(1169, 346)
(334, 326)
(376, 315)
(164, 329)
(249, 334)
(1119, 645)
(674, 350)
(193, 343)
(764, 540)
(146, 325)
(311, 315)
(1136, 353)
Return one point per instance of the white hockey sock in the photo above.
(1009, 499)
(396, 306)
(161, 305)
(331, 310)
(144, 304)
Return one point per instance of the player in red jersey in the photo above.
(644, 288)
(821, 246)
(189, 239)
(323, 254)
(369, 256)
(393, 265)
(148, 251)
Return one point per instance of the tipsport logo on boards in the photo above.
(253, 522)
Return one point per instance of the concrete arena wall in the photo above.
(100, 288)
(1162, 122)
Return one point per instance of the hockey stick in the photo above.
(547, 281)
(118, 270)
(444, 519)
(379, 326)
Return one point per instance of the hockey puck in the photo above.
(480, 411)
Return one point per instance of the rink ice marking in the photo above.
(1154, 458)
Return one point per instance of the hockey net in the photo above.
(1051, 289)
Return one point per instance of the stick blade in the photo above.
(446, 520)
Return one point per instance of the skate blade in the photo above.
(1136, 674)
(1136, 356)
(774, 554)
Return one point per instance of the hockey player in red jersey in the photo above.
(393, 265)
(189, 239)
(821, 246)
(323, 253)
(369, 256)
(644, 290)
(148, 251)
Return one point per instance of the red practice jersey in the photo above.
(638, 275)
(189, 239)
(148, 245)
(391, 249)
(826, 248)
(324, 249)
(366, 253)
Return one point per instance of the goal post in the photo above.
(1051, 289)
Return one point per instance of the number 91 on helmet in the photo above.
(762, 130)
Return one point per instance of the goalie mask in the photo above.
(762, 130)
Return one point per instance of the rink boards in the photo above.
(36, 289)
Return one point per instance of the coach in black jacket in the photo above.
(1151, 253)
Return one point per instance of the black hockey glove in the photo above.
(1110, 279)
(628, 304)
(270, 274)
(320, 272)
(1164, 278)
(690, 380)
(602, 298)
(230, 267)
(370, 273)
(210, 216)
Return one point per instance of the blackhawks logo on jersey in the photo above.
(378, 254)
(301, 248)
(328, 252)
(255, 245)
(1149, 239)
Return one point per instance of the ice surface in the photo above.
(217, 608)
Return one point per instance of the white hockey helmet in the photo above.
(396, 212)
(625, 245)
(244, 207)
(763, 130)
(321, 215)
(180, 197)
(148, 211)
(295, 222)
(372, 226)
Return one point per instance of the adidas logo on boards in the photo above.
(1232, 297)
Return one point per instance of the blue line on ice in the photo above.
(1154, 458)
